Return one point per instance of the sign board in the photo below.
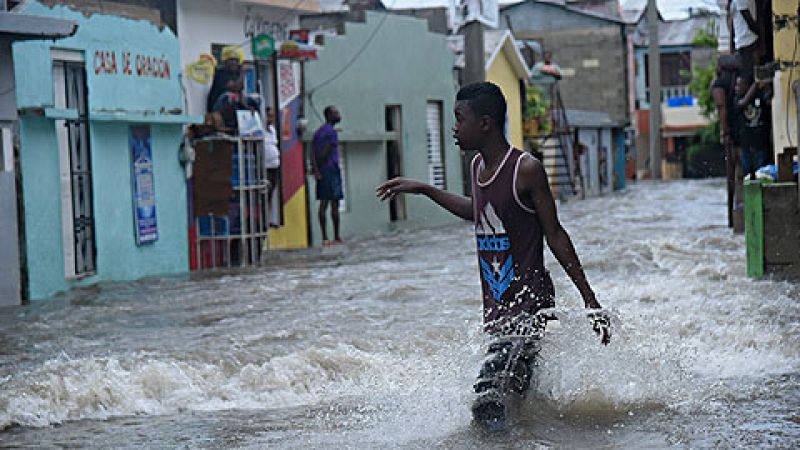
(301, 36)
(288, 82)
(144, 193)
(263, 46)
(249, 123)
(460, 12)
(296, 50)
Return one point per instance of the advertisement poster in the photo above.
(144, 193)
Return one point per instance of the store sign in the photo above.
(110, 62)
(263, 46)
(296, 50)
(300, 36)
(256, 24)
(144, 194)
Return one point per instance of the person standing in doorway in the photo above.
(272, 166)
(325, 163)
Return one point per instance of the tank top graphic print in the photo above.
(510, 246)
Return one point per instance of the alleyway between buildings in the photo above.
(376, 344)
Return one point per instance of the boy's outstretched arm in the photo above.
(534, 190)
(457, 204)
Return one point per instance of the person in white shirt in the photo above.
(744, 34)
(272, 164)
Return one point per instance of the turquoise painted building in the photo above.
(103, 189)
(395, 90)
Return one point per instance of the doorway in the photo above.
(394, 159)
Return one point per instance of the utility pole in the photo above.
(654, 72)
(474, 70)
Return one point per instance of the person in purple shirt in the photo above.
(325, 163)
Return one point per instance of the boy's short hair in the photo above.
(485, 99)
(328, 111)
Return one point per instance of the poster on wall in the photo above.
(144, 193)
(288, 82)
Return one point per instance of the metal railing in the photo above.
(668, 92)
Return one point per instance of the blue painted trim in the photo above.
(620, 161)
(145, 118)
(61, 113)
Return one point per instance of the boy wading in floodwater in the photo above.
(514, 213)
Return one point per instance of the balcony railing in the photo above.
(668, 92)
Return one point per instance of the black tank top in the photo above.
(510, 246)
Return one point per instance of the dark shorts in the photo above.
(752, 159)
(329, 187)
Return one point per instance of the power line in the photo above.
(348, 64)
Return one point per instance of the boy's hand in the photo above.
(389, 189)
(601, 324)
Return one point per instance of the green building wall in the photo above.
(403, 65)
(115, 103)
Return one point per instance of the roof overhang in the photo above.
(509, 48)
(25, 26)
(304, 6)
(682, 120)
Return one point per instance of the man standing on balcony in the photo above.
(744, 36)
(325, 163)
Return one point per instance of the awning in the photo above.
(26, 26)
(682, 120)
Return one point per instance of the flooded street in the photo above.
(376, 345)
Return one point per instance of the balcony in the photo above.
(668, 92)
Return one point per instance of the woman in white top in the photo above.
(272, 164)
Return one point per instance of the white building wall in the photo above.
(205, 22)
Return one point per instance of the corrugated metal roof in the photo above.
(672, 33)
(601, 9)
(26, 26)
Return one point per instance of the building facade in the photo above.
(681, 116)
(395, 90)
(15, 27)
(205, 26)
(589, 43)
(101, 122)
(506, 68)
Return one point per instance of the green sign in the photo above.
(263, 46)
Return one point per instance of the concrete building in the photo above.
(395, 90)
(506, 68)
(588, 41)
(15, 27)
(205, 26)
(101, 121)
(681, 115)
(602, 151)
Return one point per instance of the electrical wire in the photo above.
(347, 65)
